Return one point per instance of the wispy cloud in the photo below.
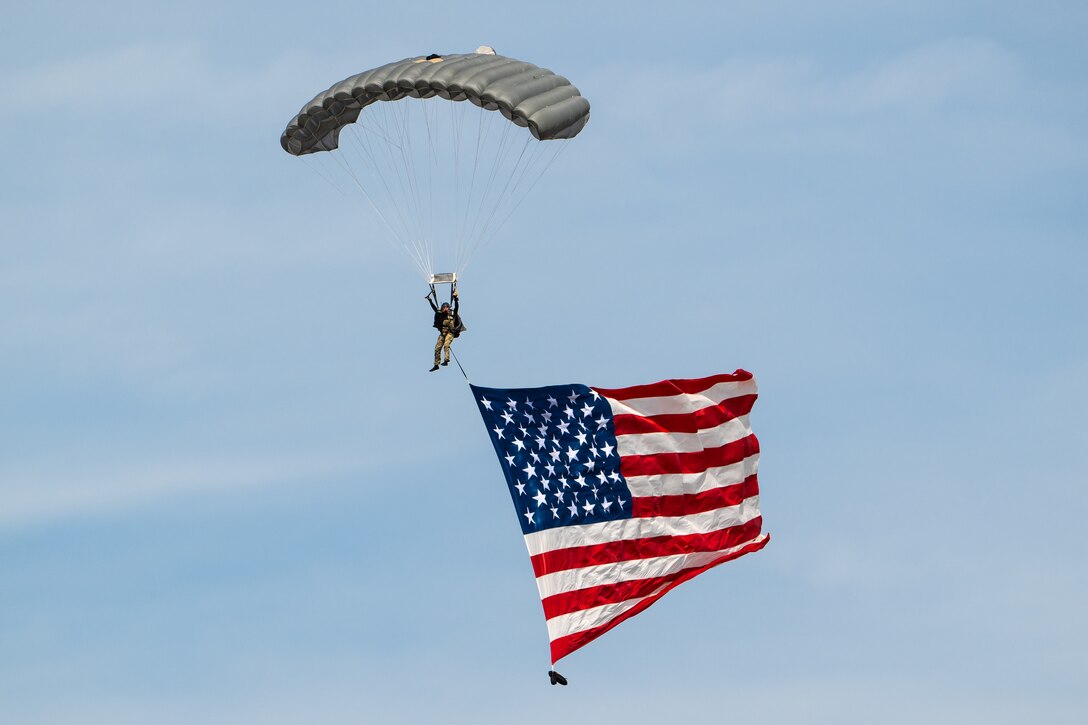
(55, 492)
(959, 93)
(172, 79)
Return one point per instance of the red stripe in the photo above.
(674, 387)
(643, 507)
(565, 645)
(577, 557)
(694, 462)
(712, 417)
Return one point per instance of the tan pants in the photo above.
(445, 339)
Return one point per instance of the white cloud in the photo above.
(959, 95)
(176, 79)
(48, 493)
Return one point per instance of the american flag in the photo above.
(623, 494)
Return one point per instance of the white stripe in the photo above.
(575, 622)
(580, 621)
(674, 484)
(571, 580)
(565, 537)
(682, 402)
(646, 444)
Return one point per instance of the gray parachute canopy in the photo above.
(529, 96)
(442, 177)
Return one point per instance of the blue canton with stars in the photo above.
(557, 447)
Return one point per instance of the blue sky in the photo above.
(230, 491)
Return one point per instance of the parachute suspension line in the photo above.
(455, 124)
(319, 169)
(514, 182)
(434, 144)
(395, 119)
(361, 143)
(533, 162)
(363, 146)
(417, 153)
(407, 156)
(488, 186)
(480, 236)
(463, 228)
(555, 154)
(347, 168)
(415, 258)
(411, 180)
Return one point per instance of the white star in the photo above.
(511, 404)
(593, 451)
(559, 496)
(621, 502)
(529, 417)
(573, 509)
(529, 403)
(547, 484)
(543, 429)
(529, 470)
(587, 410)
(498, 431)
(587, 506)
(486, 403)
(602, 423)
(594, 394)
(607, 448)
(563, 426)
(547, 416)
(536, 458)
(614, 476)
(573, 397)
(555, 512)
(580, 481)
(509, 459)
(524, 431)
(552, 402)
(572, 453)
(540, 441)
(520, 487)
(529, 515)
(519, 444)
(581, 438)
(551, 469)
(540, 498)
(508, 417)
(590, 464)
(555, 455)
(605, 504)
(564, 483)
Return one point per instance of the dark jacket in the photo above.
(440, 316)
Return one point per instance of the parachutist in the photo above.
(556, 678)
(447, 321)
